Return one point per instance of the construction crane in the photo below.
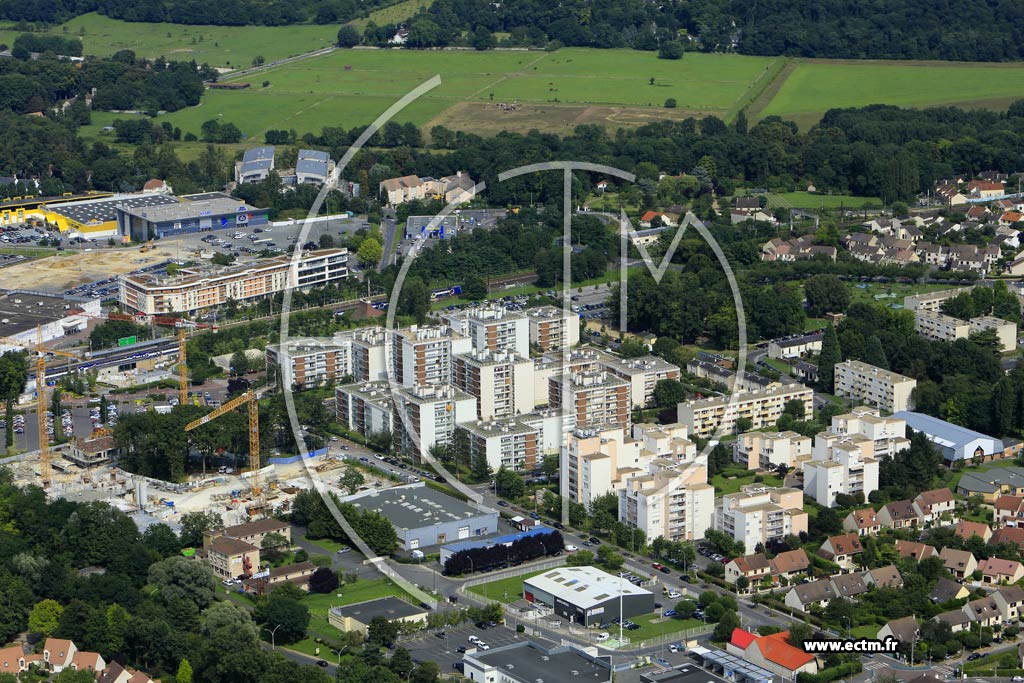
(41, 402)
(182, 368)
(248, 398)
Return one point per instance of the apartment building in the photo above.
(843, 470)
(458, 187)
(423, 356)
(364, 408)
(492, 327)
(642, 373)
(501, 381)
(934, 325)
(592, 398)
(672, 500)
(368, 354)
(931, 301)
(771, 450)
(1006, 331)
(705, 416)
(880, 388)
(307, 363)
(508, 442)
(426, 415)
(599, 461)
(196, 289)
(759, 514)
(552, 329)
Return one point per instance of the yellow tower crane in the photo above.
(248, 398)
(182, 368)
(41, 402)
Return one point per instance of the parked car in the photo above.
(601, 637)
(571, 548)
(321, 662)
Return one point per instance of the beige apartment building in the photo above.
(759, 514)
(196, 289)
(426, 415)
(424, 355)
(552, 329)
(672, 500)
(592, 398)
(369, 354)
(770, 450)
(642, 373)
(508, 442)
(705, 416)
(884, 389)
(931, 301)
(501, 381)
(1006, 331)
(307, 363)
(940, 327)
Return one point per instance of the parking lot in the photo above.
(445, 650)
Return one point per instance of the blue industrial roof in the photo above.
(501, 540)
(939, 431)
(313, 154)
(254, 153)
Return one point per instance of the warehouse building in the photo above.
(98, 217)
(312, 167)
(953, 441)
(357, 617)
(24, 315)
(529, 662)
(423, 516)
(188, 214)
(256, 165)
(587, 595)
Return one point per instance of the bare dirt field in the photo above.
(57, 273)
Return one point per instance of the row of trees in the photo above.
(521, 550)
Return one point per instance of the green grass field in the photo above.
(392, 14)
(813, 87)
(504, 590)
(221, 46)
(807, 200)
(649, 629)
(865, 292)
(731, 480)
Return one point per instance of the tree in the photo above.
(348, 36)
(45, 617)
(381, 632)
(184, 674)
(194, 524)
(179, 579)
(401, 662)
(874, 354)
(826, 294)
(323, 580)
(284, 610)
(550, 465)
(668, 393)
(685, 608)
(480, 469)
(352, 479)
(482, 39)
(508, 483)
(670, 49)
(580, 558)
(239, 363)
(370, 251)
(729, 622)
(671, 103)
(474, 287)
(829, 356)
(799, 632)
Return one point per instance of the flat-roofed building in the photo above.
(553, 329)
(587, 595)
(672, 500)
(934, 325)
(508, 442)
(27, 316)
(956, 442)
(423, 356)
(706, 416)
(1005, 331)
(492, 327)
(357, 617)
(592, 398)
(642, 373)
(307, 362)
(195, 289)
(187, 215)
(875, 386)
(795, 346)
(759, 514)
(528, 662)
(364, 408)
(369, 354)
(501, 381)
(770, 450)
(931, 301)
(427, 415)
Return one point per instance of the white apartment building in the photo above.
(196, 289)
(552, 329)
(931, 301)
(940, 327)
(492, 327)
(508, 442)
(423, 356)
(501, 381)
(309, 362)
(673, 501)
(705, 416)
(1006, 331)
(880, 388)
(642, 373)
(427, 415)
(759, 514)
(369, 354)
(882, 436)
(770, 450)
(364, 408)
(596, 462)
(593, 398)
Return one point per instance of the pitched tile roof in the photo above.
(815, 591)
(982, 608)
(935, 497)
(901, 510)
(790, 561)
(742, 639)
(919, 551)
(995, 566)
(90, 661)
(956, 560)
(945, 590)
(776, 650)
(1009, 534)
(954, 617)
(967, 529)
(864, 519)
(849, 585)
(845, 545)
(60, 651)
(230, 546)
(903, 629)
(10, 659)
(1011, 593)
(752, 563)
(887, 576)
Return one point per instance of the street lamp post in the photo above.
(272, 632)
(338, 652)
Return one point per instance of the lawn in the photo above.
(813, 87)
(808, 200)
(649, 629)
(327, 545)
(866, 292)
(393, 14)
(504, 590)
(360, 591)
(730, 481)
(221, 46)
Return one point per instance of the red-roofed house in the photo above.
(12, 660)
(995, 570)
(967, 529)
(862, 522)
(88, 661)
(985, 190)
(773, 653)
(754, 567)
(647, 220)
(842, 550)
(1009, 534)
(932, 505)
(58, 654)
(1008, 511)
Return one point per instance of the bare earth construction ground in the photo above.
(57, 273)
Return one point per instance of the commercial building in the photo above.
(196, 289)
(953, 441)
(256, 165)
(593, 398)
(643, 374)
(423, 355)
(24, 316)
(231, 558)
(312, 167)
(427, 415)
(364, 408)
(759, 514)
(587, 595)
(185, 215)
(357, 617)
(796, 346)
(771, 450)
(98, 217)
(528, 662)
(492, 327)
(553, 329)
(880, 388)
(706, 416)
(508, 442)
(424, 517)
(501, 381)
(673, 501)
(307, 363)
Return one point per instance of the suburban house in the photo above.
(957, 619)
(773, 653)
(903, 630)
(918, 551)
(960, 563)
(930, 506)
(848, 585)
(967, 529)
(984, 611)
(998, 571)
(884, 577)
(946, 590)
(754, 567)
(804, 596)
(1010, 600)
(1008, 511)
(841, 550)
(790, 564)
(898, 515)
(862, 522)
(59, 655)
(1009, 534)
(983, 189)
(647, 220)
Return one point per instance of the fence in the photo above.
(518, 571)
(675, 637)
